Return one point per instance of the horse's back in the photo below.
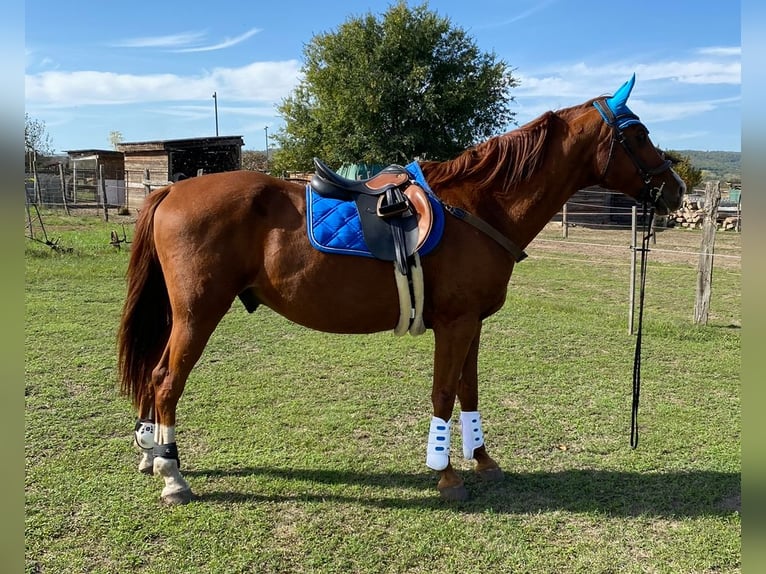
(224, 234)
(228, 195)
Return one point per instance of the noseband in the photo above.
(649, 194)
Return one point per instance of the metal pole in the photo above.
(564, 223)
(215, 99)
(266, 129)
(632, 270)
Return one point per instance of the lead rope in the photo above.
(648, 214)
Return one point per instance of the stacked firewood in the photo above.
(691, 215)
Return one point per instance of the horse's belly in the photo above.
(332, 293)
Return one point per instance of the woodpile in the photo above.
(691, 216)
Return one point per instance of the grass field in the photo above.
(307, 450)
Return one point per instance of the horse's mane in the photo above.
(505, 159)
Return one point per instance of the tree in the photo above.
(254, 160)
(36, 137)
(682, 165)
(115, 137)
(387, 90)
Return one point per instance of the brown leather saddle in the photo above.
(395, 213)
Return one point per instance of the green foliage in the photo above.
(682, 165)
(720, 165)
(115, 138)
(387, 90)
(36, 137)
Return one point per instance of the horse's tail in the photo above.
(146, 316)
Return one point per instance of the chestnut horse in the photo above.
(202, 242)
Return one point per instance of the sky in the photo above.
(149, 69)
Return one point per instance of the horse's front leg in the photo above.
(470, 418)
(453, 343)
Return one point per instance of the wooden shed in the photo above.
(164, 161)
(87, 167)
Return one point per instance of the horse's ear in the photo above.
(621, 96)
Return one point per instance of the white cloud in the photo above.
(184, 41)
(168, 41)
(668, 85)
(258, 81)
(721, 51)
(203, 112)
(227, 43)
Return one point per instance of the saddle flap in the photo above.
(334, 224)
(423, 210)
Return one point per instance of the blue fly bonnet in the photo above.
(619, 115)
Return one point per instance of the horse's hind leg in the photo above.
(188, 338)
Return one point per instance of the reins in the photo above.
(648, 215)
(650, 198)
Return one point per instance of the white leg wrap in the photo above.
(437, 455)
(167, 468)
(146, 464)
(164, 434)
(473, 437)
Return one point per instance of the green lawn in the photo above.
(307, 450)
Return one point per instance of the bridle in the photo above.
(650, 197)
(649, 194)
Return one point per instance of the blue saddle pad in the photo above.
(333, 225)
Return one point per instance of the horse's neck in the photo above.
(531, 205)
(523, 209)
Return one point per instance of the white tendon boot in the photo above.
(473, 437)
(437, 454)
(144, 437)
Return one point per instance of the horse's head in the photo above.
(630, 162)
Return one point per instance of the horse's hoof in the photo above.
(493, 474)
(454, 493)
(178, 498)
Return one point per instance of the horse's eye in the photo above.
(642, 137)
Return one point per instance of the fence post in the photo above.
(147, 183)
(707, 251)
(102, 186)
(564, 223)
(739, 213)
(38, 192)
(633, 247)
(63, 187)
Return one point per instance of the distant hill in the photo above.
(722, 165)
